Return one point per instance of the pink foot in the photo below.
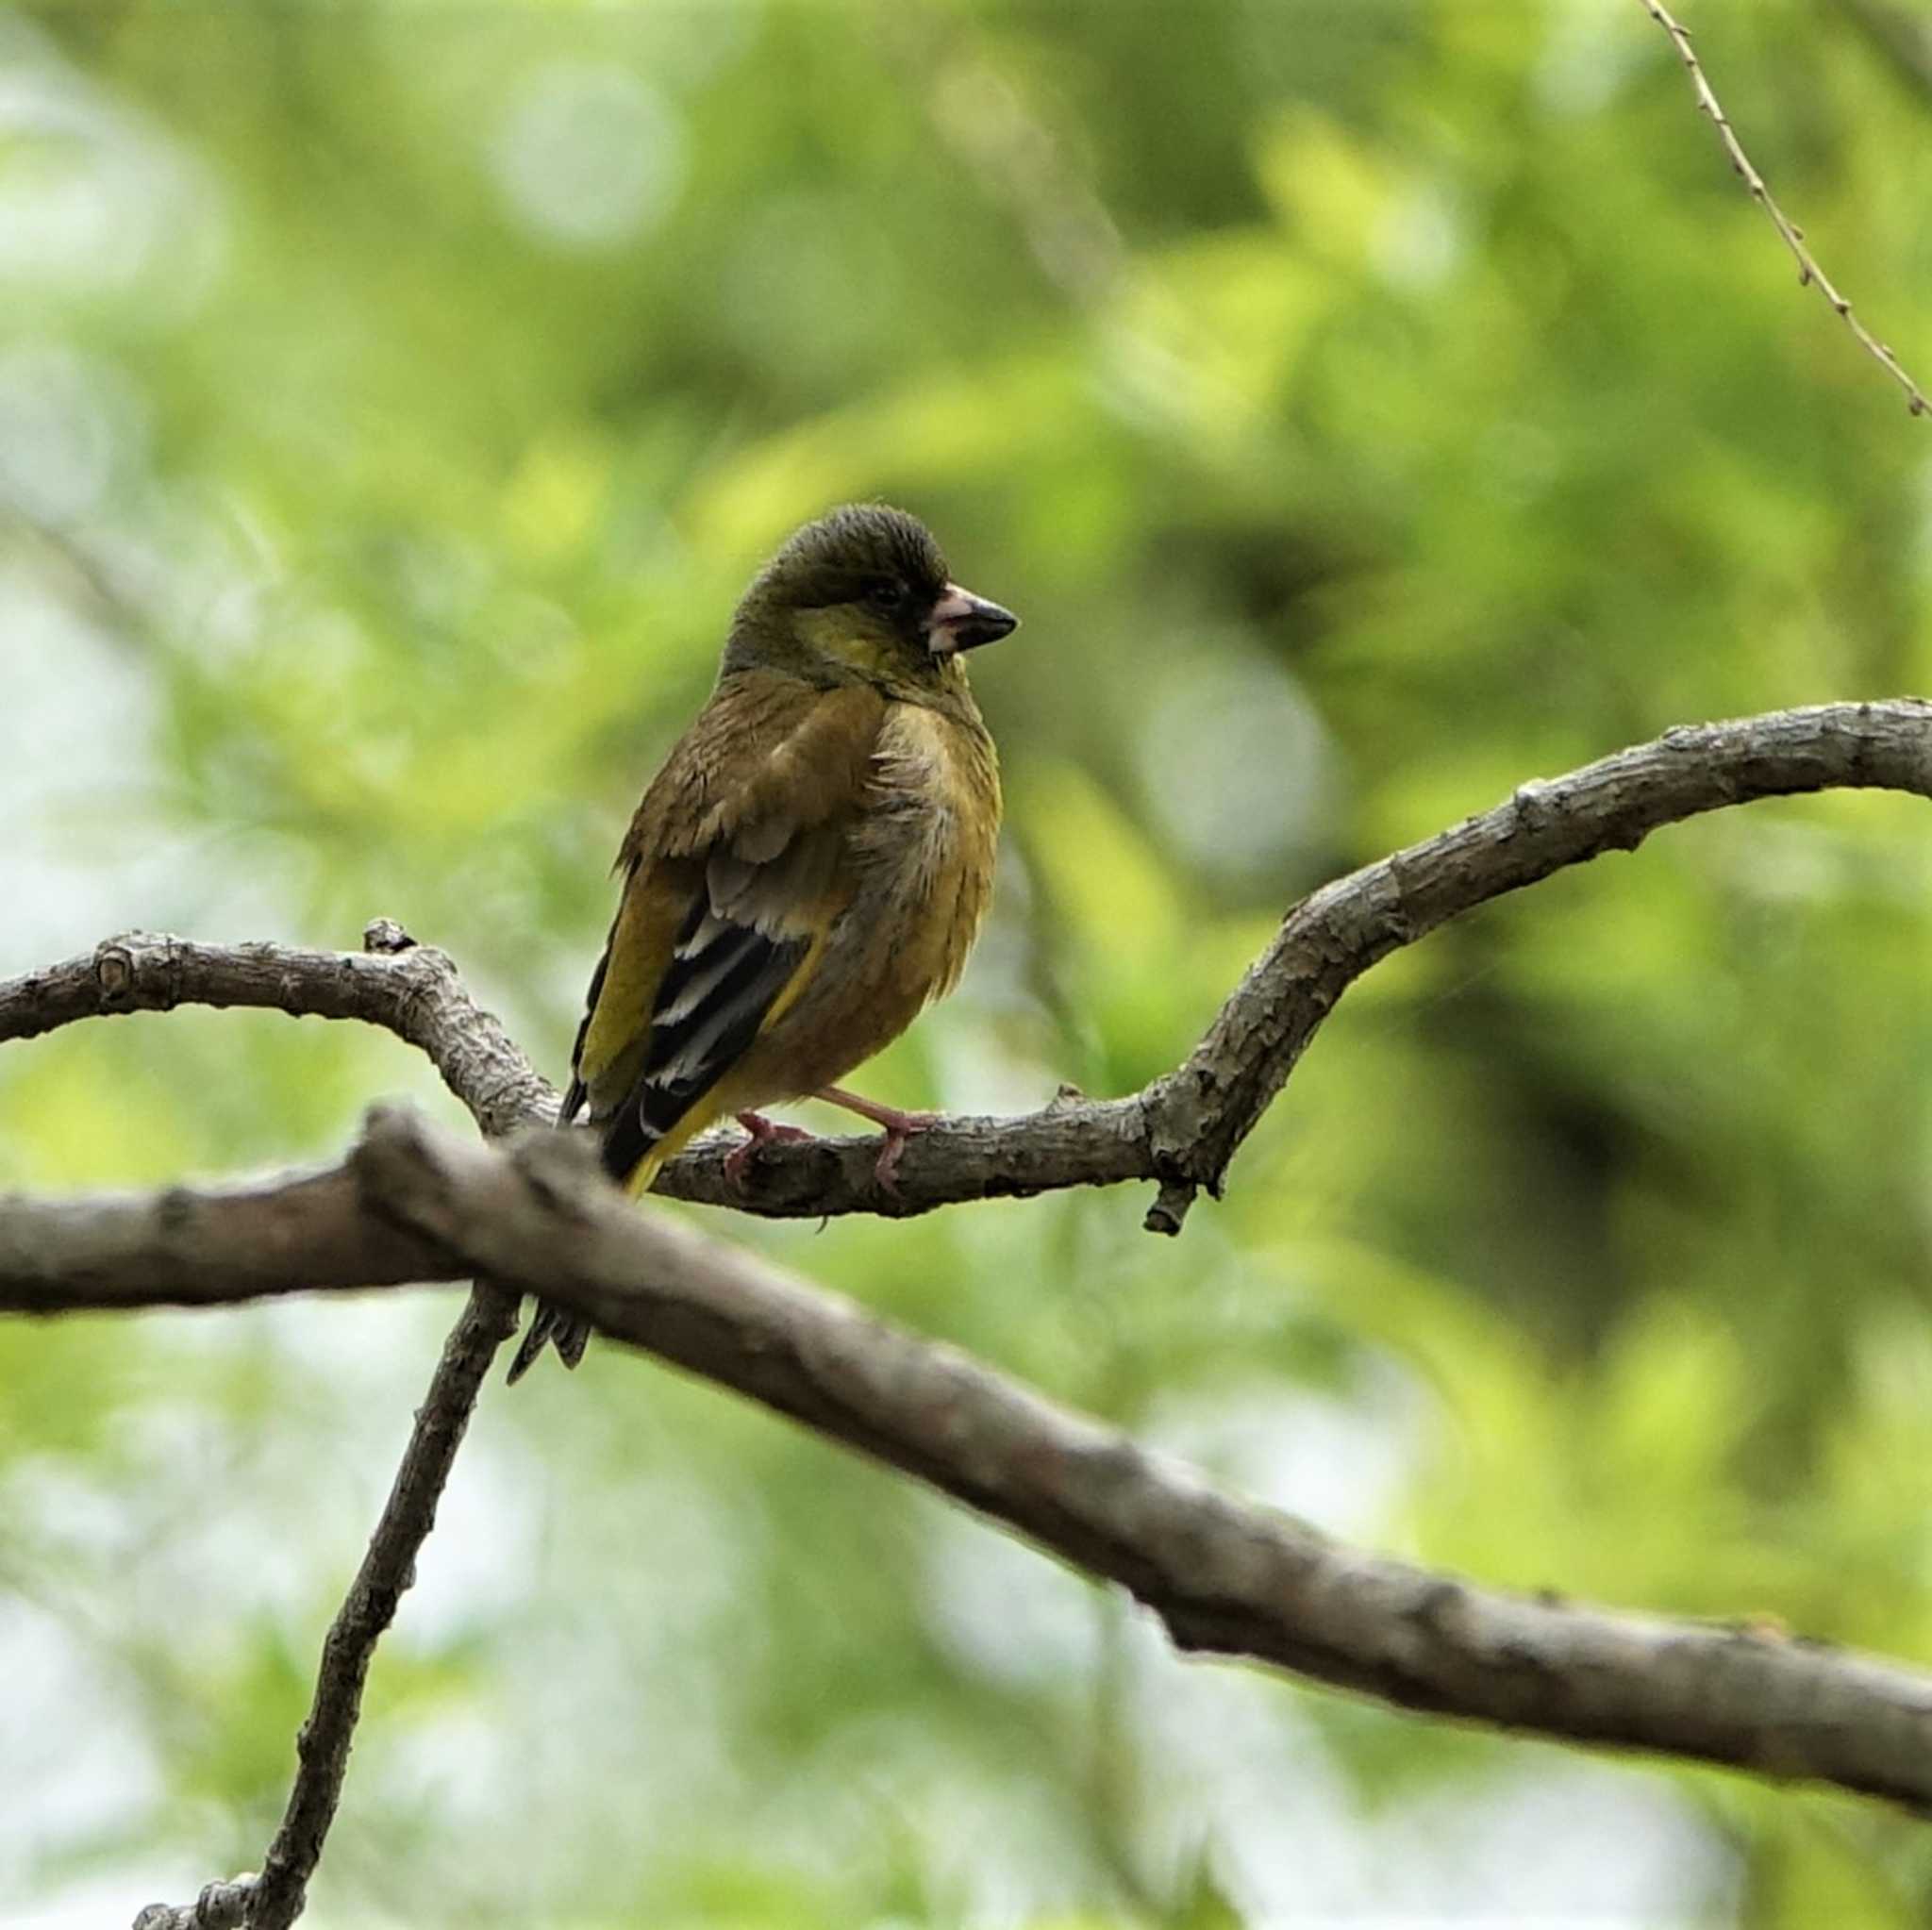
(898, 1126)
(763, 1132)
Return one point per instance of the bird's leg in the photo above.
(899, 1127)
(764, 1131)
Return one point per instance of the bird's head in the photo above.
(862, 593)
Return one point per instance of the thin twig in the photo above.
(1793, 236)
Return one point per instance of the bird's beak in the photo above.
(961, 621)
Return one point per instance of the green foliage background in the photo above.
(1368, 407)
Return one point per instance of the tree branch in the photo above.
(1205, 1110)
(1182, 1130)
(408, 989)
(1810, 273)
(1226, 1576)
(388, 1567)
(219, 1906)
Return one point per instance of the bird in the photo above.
(806, 870)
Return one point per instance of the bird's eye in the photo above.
(885, 593)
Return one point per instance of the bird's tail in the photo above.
(570, 1333)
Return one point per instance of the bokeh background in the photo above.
(1368, 406)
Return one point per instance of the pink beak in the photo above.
(961, 621)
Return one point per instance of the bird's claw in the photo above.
(899, 1127)
(886, 1170)
(763, 1132)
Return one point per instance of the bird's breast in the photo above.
(930, 823)
(917, 876)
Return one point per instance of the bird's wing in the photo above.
(732, 879)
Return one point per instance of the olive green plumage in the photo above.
(810, 865)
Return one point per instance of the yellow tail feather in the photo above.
(703, 1113)
(645, 1171)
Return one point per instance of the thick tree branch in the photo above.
(1226, 1576)
(1182, 1130)
(191, 1248)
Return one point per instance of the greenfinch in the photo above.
(809, 868)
